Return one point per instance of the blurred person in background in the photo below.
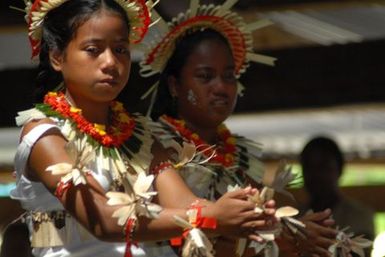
(322, 166)
(15, 240)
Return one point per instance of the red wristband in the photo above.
(197, 222)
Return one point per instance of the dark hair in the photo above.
(164, 103)
(59, 28)
(326, 145)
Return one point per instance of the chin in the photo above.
(216, 121)
(221, 117)
(107, 96)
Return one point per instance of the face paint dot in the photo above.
(191, 97)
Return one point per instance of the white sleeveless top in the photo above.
(34, 197)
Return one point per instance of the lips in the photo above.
(109, 81)
(220, 102)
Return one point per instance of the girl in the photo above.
(199, 59)
(83, 161)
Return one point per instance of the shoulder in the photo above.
(28, 127)
(30, 119)
(356, 207)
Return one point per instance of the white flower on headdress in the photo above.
(37, 15)
(81, 153)
(346, 243)
(27, 9)
(135, 201)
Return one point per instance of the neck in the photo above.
(208, 134)
(325, 201)
(95, 112)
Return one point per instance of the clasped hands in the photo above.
(238, 217)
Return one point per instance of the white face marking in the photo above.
(191, 97)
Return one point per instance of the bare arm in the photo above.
(88, 203)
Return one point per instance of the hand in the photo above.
(316, 237)
(236, 216)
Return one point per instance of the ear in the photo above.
(56, 59)
(172, 86)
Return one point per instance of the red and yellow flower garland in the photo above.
(121, 128)
(224, 153)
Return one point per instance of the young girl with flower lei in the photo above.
(83, 161)
(199, 60)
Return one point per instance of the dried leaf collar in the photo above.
(224, 154)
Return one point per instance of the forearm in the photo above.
(173, 191)
(90, 208)
(161, 228)
(93, 212)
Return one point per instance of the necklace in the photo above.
(121, 128)
(225, 150)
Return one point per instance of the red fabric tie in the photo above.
(198, 222)
(129, 229)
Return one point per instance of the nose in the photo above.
(109, 61)
(220, 86)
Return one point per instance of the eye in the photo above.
(229, 77)
(122, 50)
(92, 50)
(205, 77)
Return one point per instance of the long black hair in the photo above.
(164, 102)
(59, 28)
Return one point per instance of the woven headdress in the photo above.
(137, 12)
(217, 17)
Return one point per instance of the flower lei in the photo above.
(121, 128)
(223, 154)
